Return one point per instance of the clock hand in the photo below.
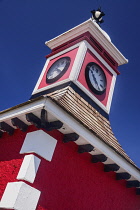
(60, 68)
(94, 78)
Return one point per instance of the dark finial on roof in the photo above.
(97, 15)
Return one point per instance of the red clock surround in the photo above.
(72, 55)
(81, 78)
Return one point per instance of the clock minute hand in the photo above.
(94, 78)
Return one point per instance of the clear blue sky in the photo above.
(25, 25)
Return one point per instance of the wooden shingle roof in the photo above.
(80, 109)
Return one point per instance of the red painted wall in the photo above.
(70, 181)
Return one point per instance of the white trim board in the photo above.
(17, 112)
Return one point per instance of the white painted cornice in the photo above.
(96, 32)
(22, 109)
(58, 113)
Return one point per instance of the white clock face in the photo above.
(57, 69)
(95, 78)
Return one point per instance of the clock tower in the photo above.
(57, 150)
(83, 58)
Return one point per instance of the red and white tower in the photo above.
(57, 150)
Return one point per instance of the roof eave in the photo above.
(94, 29)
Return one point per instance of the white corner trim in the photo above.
(40, 143)
(60, 114)
(78, 61)
(110, 95)
(19, 196)
(29, 168)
